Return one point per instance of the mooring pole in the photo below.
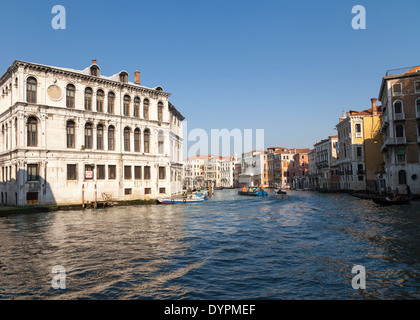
(83, 196)
(96, 197)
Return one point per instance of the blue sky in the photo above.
(289, 67)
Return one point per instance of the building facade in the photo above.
(69, 136)
(400, 129)
(359, 149)
(325, 158)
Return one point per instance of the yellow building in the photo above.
(359, 149)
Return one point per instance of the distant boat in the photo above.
(279, 194)
(180, 201)
(256, 192)
(389, 202)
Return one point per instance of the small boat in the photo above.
(181, 200)
(279, 194)
(389, 202)
(256, 192)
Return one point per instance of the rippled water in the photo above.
(231, 247)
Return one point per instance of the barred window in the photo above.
(112, 172)
(146, 173)
(137, 172)
(127, 172)
(100, 172)
(71, 172)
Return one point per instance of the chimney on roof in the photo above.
(137, 77)
(374, 106)
(94, 62)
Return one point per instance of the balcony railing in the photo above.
(399, 116)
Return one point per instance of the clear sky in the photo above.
(289, 67)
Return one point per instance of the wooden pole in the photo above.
(83, 196)
(96, 197)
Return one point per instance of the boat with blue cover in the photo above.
(256, 192)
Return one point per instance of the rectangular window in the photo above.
(127, 172)
(397, 89)
(162, 173)
(148, 191)
(358, 127)
(162, 190)
(137, 172)
(101, 172)
(32, 172)
(71, 172)
(112, 172)
(147, 173)
(88, 172)
(128, 191)
(360, 178)
(359, 152)
(417, 87)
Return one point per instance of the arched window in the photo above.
(111, 102)
(32, 132)
(160, 111)
(398, 107)
(137, 107)
(127, 139)
(137, 140)
(31, 85)
(111, 138)
(70, 93)
(146, 109)
(100, 96)
(100, 137)
(161, 142)
(399, 131)
(88, 135)
(402, 177)
(88, 99)
(146, 141)
(70, 134)
(126, 105)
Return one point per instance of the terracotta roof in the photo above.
(414, 70)
(367, 112)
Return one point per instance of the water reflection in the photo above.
(231, 247)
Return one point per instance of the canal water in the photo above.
(231, 247)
